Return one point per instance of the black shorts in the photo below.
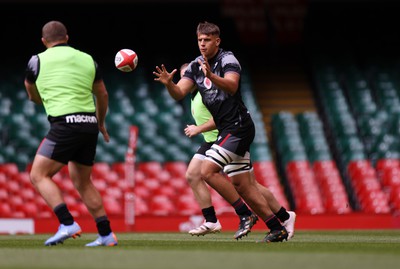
(203, 148)
(70, 146)
(239, 140)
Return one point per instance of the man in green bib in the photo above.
(68, 83)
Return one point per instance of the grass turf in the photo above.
(308, 249)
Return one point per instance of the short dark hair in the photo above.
(54, 31)
(208, 28)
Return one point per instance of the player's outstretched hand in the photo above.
(163, 76)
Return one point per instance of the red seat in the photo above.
(67, 186)
(113, 207)
(143, 192)
(119, 168)
(295, 167)
(44, 214)
(150, 169)
(187, 205)
(324, 168)
(15, 201)
(28, 194)
(391, 177)
(24, 179)
(100, 170)
(3, 180)
(9, 169)
(358, 173)
(41, 203)
(394, 194)
(17, 214)
(100, 185)
(70, 200)
(141, 207)
(3, 196)
(374, 201)
(13, 187)
(151, 183)
(383, 164)
(64, 172)
(357, 165)
(337, 203)
(161, 205)
(30, 209)
(166, 190)
(176, 169)
(264, 167)
(5, 210)
(179, 184)
(114, 192)
(164, 176)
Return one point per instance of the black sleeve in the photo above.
(32, 70)
(99, 73)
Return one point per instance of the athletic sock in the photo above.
(282, 214)
(273, 223)
(63, 214)
(241, 208)
(103, 225)
(209, 214)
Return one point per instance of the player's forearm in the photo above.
(207, 126)
(33, 93)
(174, 91)
(101, 109)
(228, 85)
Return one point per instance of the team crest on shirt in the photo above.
(207, 83)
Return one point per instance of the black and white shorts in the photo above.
(201, 151)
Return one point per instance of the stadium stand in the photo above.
(163, 152)
(334, 152)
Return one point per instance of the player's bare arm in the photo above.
(177, 91)
(99, 90)
(193, 130)
(33, 92)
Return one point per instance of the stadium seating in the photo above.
(363, 132)
(341, 159)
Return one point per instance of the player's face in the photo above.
(208, 45)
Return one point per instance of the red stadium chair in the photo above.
(3, 196)
(161, 205)
(9, 169)
(150, 169)
(176, 169)
(5, 210)
(187, 205)
(141, 207)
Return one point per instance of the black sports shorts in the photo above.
(239, 140)
(70, 146)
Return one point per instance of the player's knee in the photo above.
(34, 177)
(192, 177)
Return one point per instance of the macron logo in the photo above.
(80, 119)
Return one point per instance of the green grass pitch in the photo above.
(308, 249)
